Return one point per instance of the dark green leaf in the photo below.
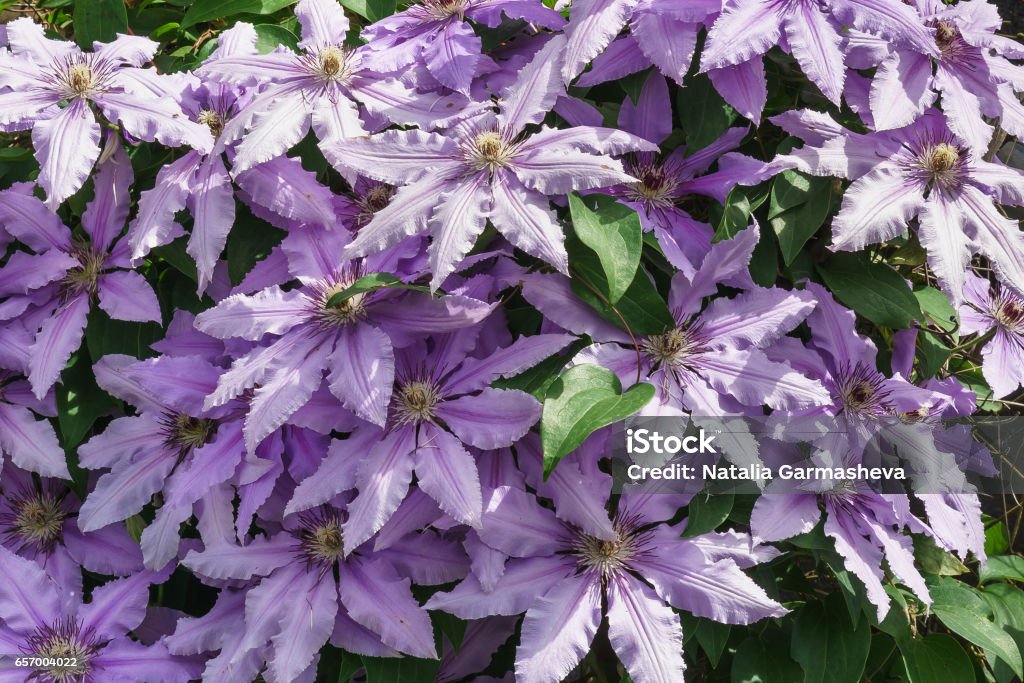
(963, 610)
(826, 648)
(795, 225)
(104, 336)
(874, 290)
(712, 637)
(537, 379)
(99, 20)
(612, 231)
(271, 36)
(371, 9)
(207, 10)
(757, 662)
(932, 355)
(1006, 567)
(582, 400)
(935, 560)
(703, 113)
(79, 401)
(706, 512)
(936, 658)
(739, 204)
(404, 669)
(936, 308)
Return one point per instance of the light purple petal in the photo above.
(901, 89)
(534, 92)
(667, 41)
(558, 629)
(644, 632)
(452, 56)
(154, 222)
(118, 606)
(362, 371)
(515, 592)
(213, 212)
(323, 23)
(520, 355)
(28, 598)
(106, 214)
(779, 516)
(525, 219)
(383, 480)
(407, 214)
(305, 628)
(592, 26)
(459, 218)
(58, 338)
(261, 557)
(814, 41)
(743, 86)
(494, 418)
(394, 156)
(126, 295)
(448, 474)
(271, 311)
(875, 208)
(275, 129)
(515, 523)
(67, 146)
(31, 444)
(731, 40)
(121, 493)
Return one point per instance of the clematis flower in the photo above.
(998, 311)
(920, 171)
(200, 180)
(712, 362)
(972, 74)
(307, 591)
(866, 527)
(51, 85)
(436, 34)
(39, 521)
(488, 168)
(353, 341)
(69, 274)
(30, 443)
(172, 446)
(748, 28)
(664, 182)
(567, 580)
(442, 400)
(323, 85)
(40, 622)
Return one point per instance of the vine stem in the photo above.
(629, 331)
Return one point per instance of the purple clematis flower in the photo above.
(42, 74)
(308, 591)
(201, 182)
(567, 579)
(39, 622)
(67, 275)
(436, 34)
(1001, 312)
(488, 169)
(712, 362)
(663, 182)
(919, 171)
(811, 30)
(322, 85)
(31, 444)
(972, 74)
(39, 521)
(171, 446)
(353, 341)
(442, 400)
(866, 527)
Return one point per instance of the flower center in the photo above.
(377, 198)
(655, 189)
(348, 311)
(675, 348)
(333, 64)
(943, 164)
(862, 391)
(321, 541)
(213, 120)
(39, 519)
(84, 277)
(608, 557)
(943, 157)
(416, 402)
(80, 78)
(185, 433)
(64, 641)
(444, 9)
(489, 151)
(1009, 312)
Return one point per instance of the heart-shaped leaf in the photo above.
(581, 401)
(613, 231)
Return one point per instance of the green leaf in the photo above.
(965, 613)
(705, 512)
(936, 308)
(207, 10)
(703, 113)
(936, 658)
(270, 36)
(250, 241)
(79, 401)
(739, 204)
(369, 283)
(935, 560)
(612, 231)
(712, 637)
(757, 662)
(826, 648)
(539, 378)
(582, 400)
(371, 9)
(789, 190)
(1009, 567)
(873, 290)
(104, 336)
(404, 669)
(795, 225)
(99, 20)
(997, 536)
(933, 354)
